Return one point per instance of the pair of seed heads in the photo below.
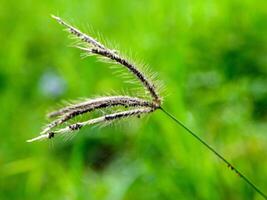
(135, 106)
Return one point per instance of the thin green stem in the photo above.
(217, 154)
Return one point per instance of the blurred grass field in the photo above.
(212, 57)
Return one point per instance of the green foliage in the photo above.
(212, 58)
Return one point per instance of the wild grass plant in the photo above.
(130, 106)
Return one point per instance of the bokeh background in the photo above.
(212, 57)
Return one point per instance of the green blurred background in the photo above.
(212, 57)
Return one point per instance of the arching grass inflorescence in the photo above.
(134, 106)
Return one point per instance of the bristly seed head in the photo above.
(141, 106)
